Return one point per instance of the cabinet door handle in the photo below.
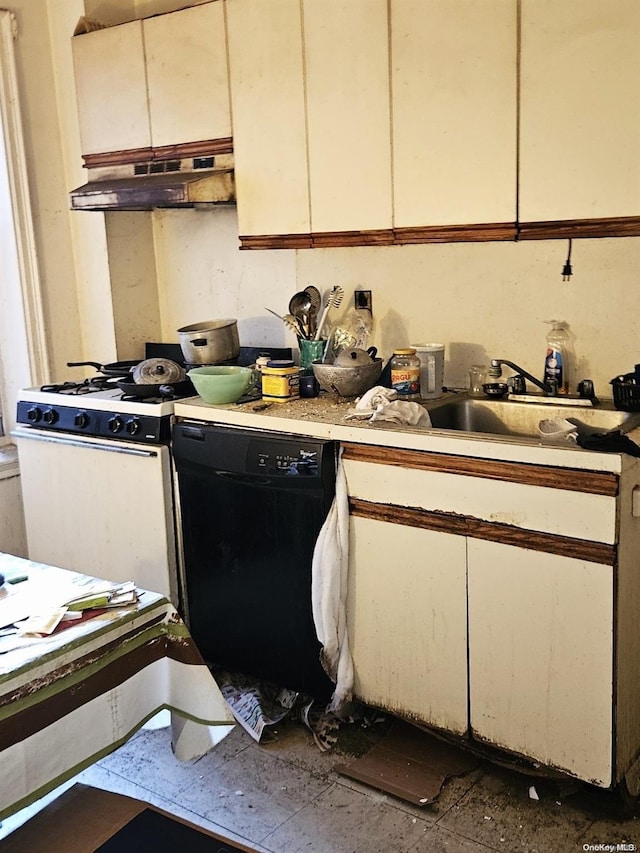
(635, 502)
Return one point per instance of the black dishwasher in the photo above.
(251, 507)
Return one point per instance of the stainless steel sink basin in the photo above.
(508, 417)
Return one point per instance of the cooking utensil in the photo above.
(210, 342)
(355, 357)
(159, 389)
(347, 381)
(290, 322)
(314, 296)
(300, 306)
(115, 368)
(333, 301)
(314, 310)
(153, 371)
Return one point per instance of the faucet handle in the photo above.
(586, 389)
(517, 384)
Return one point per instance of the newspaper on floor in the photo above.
(257, 706)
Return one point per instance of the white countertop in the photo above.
(324, 417)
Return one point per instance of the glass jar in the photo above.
(477, 377)
(405, 374)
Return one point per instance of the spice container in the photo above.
(405, 374)
(261, 362)
(280, 381)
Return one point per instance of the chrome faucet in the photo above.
(495, 372)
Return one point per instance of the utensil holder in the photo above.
(310, 351)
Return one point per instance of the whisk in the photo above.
(333, 301)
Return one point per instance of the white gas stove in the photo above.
(96, 409)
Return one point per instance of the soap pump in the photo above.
(557, 358)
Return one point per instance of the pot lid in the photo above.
(152, 371)
(353, 358)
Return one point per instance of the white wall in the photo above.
(481, 300)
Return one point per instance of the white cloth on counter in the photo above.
(382, 404)
(329, 579)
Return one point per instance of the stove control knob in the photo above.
(81, 420)
(34, 414)
(115, 423)
(50, 416)
(133, 426)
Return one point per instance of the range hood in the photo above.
(194, 182)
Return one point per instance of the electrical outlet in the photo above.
(362, 299)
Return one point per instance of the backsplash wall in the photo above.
(481, 300)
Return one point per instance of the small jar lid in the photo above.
(407, 351)
(281, 362)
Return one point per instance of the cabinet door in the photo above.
(348, 109)
(111, 89)
(267, 97)
(580, 119)
(454, 89)
(407, 621)
(541, 656)
(187, 75)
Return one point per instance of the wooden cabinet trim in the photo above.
(506, 534)
(567, 479)
(622, 226)
(204, 148)
(478, 233)
(276, 241)
(384, 237)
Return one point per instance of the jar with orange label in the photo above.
(405, 374)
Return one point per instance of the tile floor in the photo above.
(285, 797)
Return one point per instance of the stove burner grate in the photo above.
(71, 388)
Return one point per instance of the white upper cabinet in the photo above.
(348, 113)
(156, 82)
(580, 110)
(268, 104)
(111, 89)
(454, 107)
(187, 75)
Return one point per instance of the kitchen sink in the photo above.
(508, 417)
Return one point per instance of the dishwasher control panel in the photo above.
(301, 462)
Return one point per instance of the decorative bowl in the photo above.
(347, 381)
(219, 384)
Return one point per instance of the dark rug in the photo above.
(152, 832)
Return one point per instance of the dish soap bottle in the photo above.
(557, 365)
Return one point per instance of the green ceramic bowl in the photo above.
(220, 384)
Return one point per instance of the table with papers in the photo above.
(69, 698)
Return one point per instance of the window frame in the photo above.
(24, 358)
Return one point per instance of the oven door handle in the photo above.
(111, 447)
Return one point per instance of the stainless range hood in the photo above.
(145, 186)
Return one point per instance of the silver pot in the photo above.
(211, 342)
(347, 381)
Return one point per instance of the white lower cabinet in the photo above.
(541, 657)
(472, 610)
(407, 621)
